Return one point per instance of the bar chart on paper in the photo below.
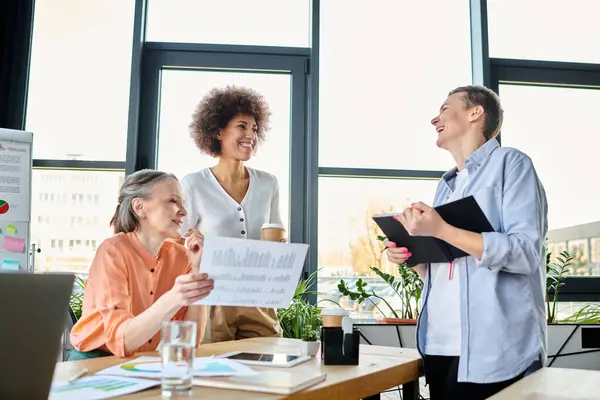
(253, 259)
(98, 387)
(252, 273)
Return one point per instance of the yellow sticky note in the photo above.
(10, 228)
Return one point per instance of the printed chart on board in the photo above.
(15, 198)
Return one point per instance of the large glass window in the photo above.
(78, 98)
(544, 30)
(241, 22)
(348, 243)
(385, 69)
(70, 216)
(552, 126)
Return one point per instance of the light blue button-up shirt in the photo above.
(502, 296)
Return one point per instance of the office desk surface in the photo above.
(554, 384)
(380, 368)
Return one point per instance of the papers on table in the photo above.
(98, 387)
(150, 367)
(282, 381)
(252, 273)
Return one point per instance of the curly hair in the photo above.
(218, 108)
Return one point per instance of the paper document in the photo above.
(98, 387)
(277, 380)
(151, 367)
(15, 169)
(252, 273)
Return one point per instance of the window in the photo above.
(580, 251)
(544, 30)
(379, 86)
(230, 22)
(53, 234)
(181, 91)
(80, 67)
(347, 234)
(550, 124)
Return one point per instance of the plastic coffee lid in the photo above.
(270, 226)
(335, 312)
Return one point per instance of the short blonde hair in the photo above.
(489, 101)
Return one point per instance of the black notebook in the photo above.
(464, 214)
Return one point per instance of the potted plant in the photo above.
(310, 342)
(302, 320)
(76, 301)
(556, 272)
(555, 275)
(408, 286)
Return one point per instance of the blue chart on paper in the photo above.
(214, 368)
(105, 385)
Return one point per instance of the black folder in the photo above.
(464, 214)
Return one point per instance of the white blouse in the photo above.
(213, 211)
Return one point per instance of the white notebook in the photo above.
(267, 381)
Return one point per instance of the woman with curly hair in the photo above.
(231, 199)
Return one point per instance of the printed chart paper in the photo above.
(151, 367)
(98, 387)
(14, 181)
(251, 273)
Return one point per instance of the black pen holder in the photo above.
(339, 349)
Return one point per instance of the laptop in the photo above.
(33, 317)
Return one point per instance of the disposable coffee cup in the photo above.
(273, 232)
(332, 317)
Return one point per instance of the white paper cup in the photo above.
(273, 232)
(332, 317)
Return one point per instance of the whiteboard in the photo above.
(15, 199)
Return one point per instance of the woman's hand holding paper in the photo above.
(194, 243)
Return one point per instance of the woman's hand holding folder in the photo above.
(396, 255)
(421, 220)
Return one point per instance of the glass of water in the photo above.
(178, 345)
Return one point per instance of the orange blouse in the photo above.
(124, 281)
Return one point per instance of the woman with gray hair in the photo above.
(145, 274)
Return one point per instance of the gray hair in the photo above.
(137, 185)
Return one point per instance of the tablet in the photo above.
(265, 359)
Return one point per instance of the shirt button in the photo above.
(243, 232)
(150, 341)
(151, 293)
(239, 208)
(152, 270)
(241, 219)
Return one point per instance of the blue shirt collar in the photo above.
(474, 160)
